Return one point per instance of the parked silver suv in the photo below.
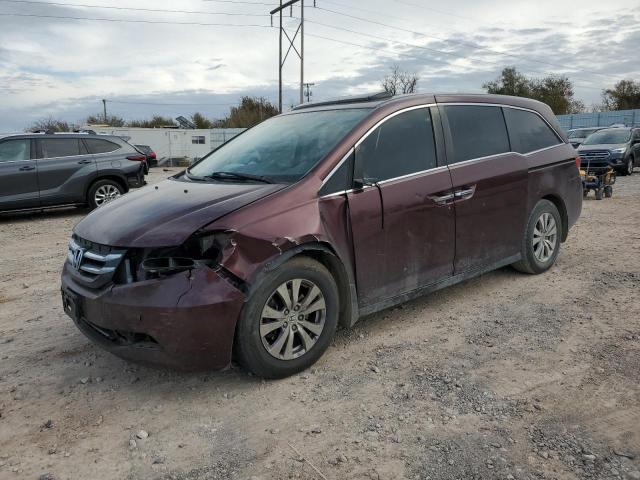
(40, 170)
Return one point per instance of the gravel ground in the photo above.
(505, 376)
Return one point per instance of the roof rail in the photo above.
(346, 100)
(43, 131)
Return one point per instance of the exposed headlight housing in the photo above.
(201, 249)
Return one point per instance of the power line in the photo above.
(121, 20)
(108, 7)
(392, 52)
(421, 47)
(132, 8)
(123, 102)
(240, 2)
(441, 12)
(468, 44)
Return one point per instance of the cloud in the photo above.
(53, 66)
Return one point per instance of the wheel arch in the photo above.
(562, 209)
(326, 255)
(116, 178)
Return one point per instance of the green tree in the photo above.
(157, 121)
(250, 112)
(200, 121)
(555, 91)
(625, 95)
(111, 120)
(50, 124)
(510, 82)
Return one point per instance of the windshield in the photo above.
(282, 149)
(612, 136)
(582, 133)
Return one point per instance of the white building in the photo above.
(172, 143)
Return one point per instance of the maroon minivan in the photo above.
(318, 217)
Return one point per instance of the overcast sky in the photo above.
(63, 67)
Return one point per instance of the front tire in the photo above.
(628, 168)
(289, 320)
(541, 240)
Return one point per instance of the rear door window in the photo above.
(528, 132)
(402, 145)
(15, 150)
(476, 131)
(60, 147)
(98, 145)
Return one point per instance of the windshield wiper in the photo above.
(238, 176)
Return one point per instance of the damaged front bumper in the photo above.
(184, 321)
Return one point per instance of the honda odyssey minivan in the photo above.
(316, 218)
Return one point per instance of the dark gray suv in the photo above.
(618, 147)
(39, 170)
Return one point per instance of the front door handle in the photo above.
(84, 162)
(26, 168)
(465, 193)
(442, 199)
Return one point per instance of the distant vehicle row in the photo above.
(44, 170)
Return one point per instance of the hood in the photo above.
(603, 146)
(167, 213)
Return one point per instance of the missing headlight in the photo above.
(201, 249)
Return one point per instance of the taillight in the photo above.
(137, 158)
(152, 154)
(578, 162)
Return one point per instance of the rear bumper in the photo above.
(573, 202)
(135, 179)
(185, 321)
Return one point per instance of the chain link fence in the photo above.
(629, 118)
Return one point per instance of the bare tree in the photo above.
(399, 82)
(50, 124)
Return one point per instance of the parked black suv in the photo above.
(39, 170)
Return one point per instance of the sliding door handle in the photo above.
(465, 193)
(442, 199)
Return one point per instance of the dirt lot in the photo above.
(505, 376)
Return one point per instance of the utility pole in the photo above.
(308, 92)
(104, 107)
(291, 39)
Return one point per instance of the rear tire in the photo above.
(266, 324)
(541, 239)
(102, 192)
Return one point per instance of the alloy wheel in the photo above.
(105, 194)
(545, 237)
(293, 319)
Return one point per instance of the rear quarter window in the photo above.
(60, 147)
(476, 131)
(528, 132)
(98, 145)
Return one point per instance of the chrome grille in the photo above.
(594, 155)
(93, 265)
